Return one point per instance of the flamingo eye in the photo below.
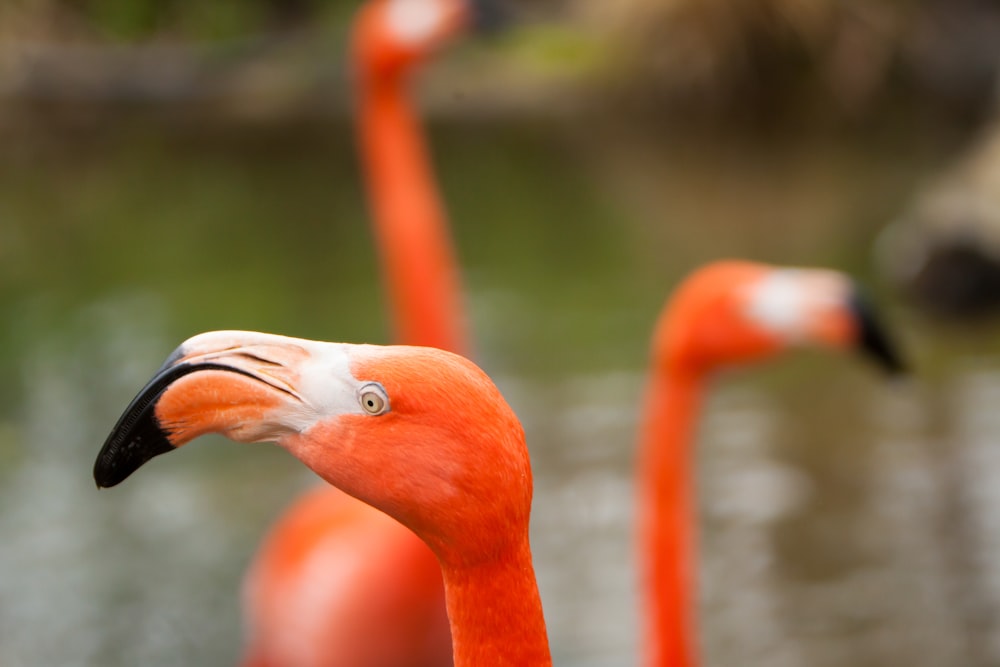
(373, 399)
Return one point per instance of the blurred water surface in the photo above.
(844, 520)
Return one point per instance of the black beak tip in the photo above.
(874, 340)
(138, 436)
(128, 450)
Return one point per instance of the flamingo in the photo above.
(335, 582)
(419, 433)
(725, 313)
(391, 38)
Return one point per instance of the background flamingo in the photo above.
(725, 313)
(335, 582)
(419, 433)
(391, 39)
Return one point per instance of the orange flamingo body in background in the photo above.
(419, 433)
(336, 583)
(725, 313)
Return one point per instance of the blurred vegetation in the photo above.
(137, 20)
(762, 60)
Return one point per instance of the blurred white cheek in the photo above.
(414, 20)
(778, 304)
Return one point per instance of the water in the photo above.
(844, 520)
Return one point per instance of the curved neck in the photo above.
(496, 612)
(411, 231)
(667, 517)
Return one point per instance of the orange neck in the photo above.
(667, 524)
(496, 612)
(411, 231)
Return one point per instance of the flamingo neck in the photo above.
(496, 612)
(667, 517)
(411, 230)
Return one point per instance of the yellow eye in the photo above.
(373, 399)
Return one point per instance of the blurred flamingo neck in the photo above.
(667, 517)
(496, 612)
(418, 261)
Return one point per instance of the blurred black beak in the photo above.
(138, 435)
(873, 339)
(489, 16)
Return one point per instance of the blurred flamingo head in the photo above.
(393, 36)
(733, 312)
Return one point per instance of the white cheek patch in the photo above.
(790, 302)
(412, 21)
(326, 384)
(779, 304)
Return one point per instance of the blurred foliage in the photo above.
(764, 60)
(138, 19)
(764, 54)
(135, 20)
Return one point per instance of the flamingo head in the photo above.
(422, 434)
(731, 312)
(392, 36)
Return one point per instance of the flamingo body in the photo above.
(314, 601)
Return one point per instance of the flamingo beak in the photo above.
(138, 436)
(227, 386)
(872, 338)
